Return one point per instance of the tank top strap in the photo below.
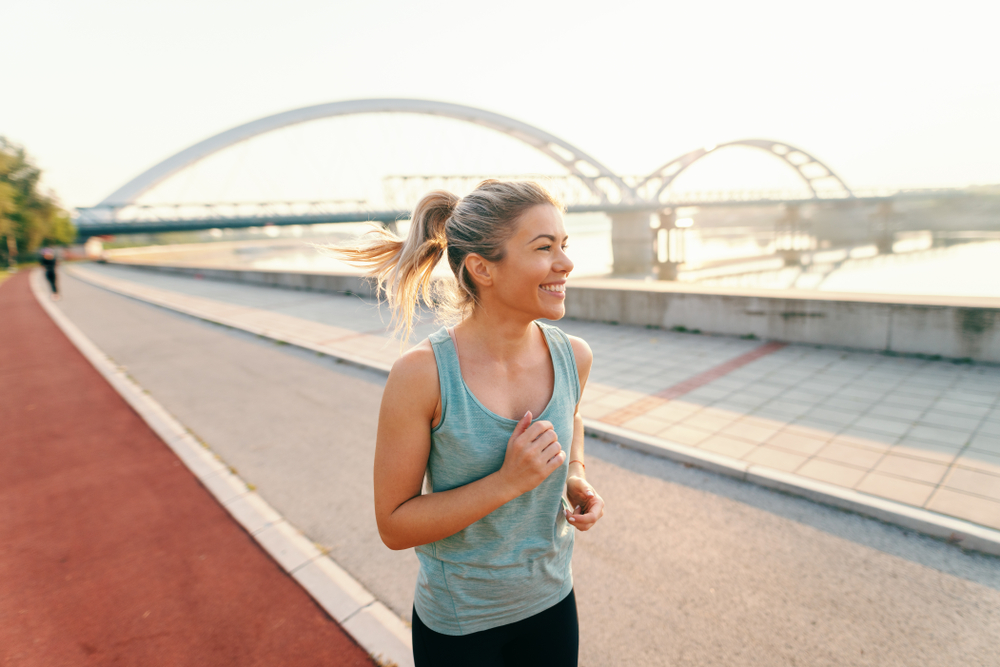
(450, 374)
(563, 359)
(449, 371)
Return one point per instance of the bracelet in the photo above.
(580, 462)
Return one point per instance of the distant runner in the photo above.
(49, 261)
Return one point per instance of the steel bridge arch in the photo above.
(592, 173)
(796, 158)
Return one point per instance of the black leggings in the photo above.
(550, 638)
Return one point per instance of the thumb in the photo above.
(522, 425)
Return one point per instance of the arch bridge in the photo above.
(628, 201)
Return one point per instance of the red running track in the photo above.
(111, 552)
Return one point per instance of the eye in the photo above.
(544, 247)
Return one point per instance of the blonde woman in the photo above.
(489, 411)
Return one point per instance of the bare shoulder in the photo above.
(581, 350)
(417, 366)
(412, 393)
(584, 358)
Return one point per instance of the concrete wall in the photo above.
(301, 280)
(954, 328)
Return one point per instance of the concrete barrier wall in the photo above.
(301, 280)
(953, 328)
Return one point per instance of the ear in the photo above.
(479, 270)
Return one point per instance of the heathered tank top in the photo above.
(516, 561)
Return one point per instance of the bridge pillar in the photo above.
(669, 238)
(883, 229)
(788, 236)
(631, 242)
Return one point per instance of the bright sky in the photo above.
(886, 93)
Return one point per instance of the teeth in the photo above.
(554, 288)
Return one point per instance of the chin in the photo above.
(552, 313)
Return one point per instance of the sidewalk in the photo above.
(110, 549)
(918, 432)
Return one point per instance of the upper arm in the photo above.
(403, 444)
(584, 360)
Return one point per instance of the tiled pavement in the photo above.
(924, 433)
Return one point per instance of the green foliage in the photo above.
(29, 218)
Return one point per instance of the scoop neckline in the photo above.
(485, 409)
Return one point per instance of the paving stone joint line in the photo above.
(645, 405)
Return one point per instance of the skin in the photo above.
(505, 362)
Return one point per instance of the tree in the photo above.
(7, 207)
(29, 218)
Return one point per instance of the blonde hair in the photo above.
(481, 222)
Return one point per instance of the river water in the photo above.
(713, 257)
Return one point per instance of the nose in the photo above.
(563, 263)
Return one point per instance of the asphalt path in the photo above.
(686, 568)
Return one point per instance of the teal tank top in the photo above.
(516, 561)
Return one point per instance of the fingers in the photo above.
(543, 440)
(546, 445)
(556, 460)
(578, 490)
(523, 425)
(585, 520)
(537, 429)
(550, 449)
(533, 453)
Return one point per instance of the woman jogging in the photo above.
(489, 411)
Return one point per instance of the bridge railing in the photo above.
(402, 193)
(165, 212)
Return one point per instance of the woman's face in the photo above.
(532, 275)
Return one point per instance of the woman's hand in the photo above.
(588, 507)
(533, 453)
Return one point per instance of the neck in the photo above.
(502, 337)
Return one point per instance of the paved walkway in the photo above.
(686, 568)
(924, 433)
(110, 550)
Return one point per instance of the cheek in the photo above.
(518, 284)
(525, 274)
(534, 274)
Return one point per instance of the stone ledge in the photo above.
(960, 328)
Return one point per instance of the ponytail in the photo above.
(402, 269)
(479, 223)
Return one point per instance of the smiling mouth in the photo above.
(554, 289)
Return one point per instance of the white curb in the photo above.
(378, 630)
(965, 534)
(215, 318)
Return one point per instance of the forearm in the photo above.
(435, 516)
(577, 463)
